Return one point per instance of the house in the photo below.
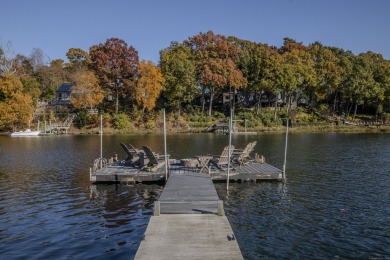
(63, 94)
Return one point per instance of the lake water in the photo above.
(335, 203)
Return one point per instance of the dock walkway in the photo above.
(189, 222)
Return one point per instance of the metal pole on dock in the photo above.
(285, 147)
(230, 144)
(101, 141)
(165, 147)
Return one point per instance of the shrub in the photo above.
(83, 118)
(150, 124)
(121, 121)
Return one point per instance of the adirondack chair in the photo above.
(155, 161)
(242, 157)
(222, 161)
(132, 153)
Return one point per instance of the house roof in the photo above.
(65, 87)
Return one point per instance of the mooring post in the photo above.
(156, 211)
(221, 211)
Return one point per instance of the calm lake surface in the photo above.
(335, 203)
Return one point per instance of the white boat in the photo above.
(28, 132)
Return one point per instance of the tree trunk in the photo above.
(354, 112)
(211, 100)
(178, 108)
(116, 101)
(334, 102)
(246, 97)
(377, 110)
(203, 99)
(234, 99)
(276, 106)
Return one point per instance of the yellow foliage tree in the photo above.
(149, 85)
(87, 93)
(16, 108)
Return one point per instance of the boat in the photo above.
(28, 132)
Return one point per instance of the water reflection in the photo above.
(335, 203)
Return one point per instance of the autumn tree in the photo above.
(78, 59)
(215, 60)
(177, 65)
(86, 93)
(149, 85)
(16, 108)
(259, 64)
(50, 77)
(297, 70)
(116, 65)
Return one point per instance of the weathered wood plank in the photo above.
(190, 236)
(189, 193)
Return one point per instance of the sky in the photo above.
(55, 26)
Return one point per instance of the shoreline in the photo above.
(254, 131)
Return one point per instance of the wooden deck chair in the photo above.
(132, 153)
(222, 161)
(155, 162)
(242, 157)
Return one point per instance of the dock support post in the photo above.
(101, 141)
(285, 148)
(156, 211)
(165, 148)
(221, 211)
(230, 144)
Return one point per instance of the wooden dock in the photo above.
(189, 222)
(120, 173)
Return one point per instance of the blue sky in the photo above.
(150, 25)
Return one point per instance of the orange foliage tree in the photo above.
(16, 108)
(87, 92)
(215, 59)
(149, 85)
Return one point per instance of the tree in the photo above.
(37, 59)
(178, 68)
(31, 87)
(359, 82)
(87, 93)
(215, 60)
(259, 64)
(381, 76)
(78, 59)
(6, 60)
(297, 70)
(328, 72)
(16, 108)
(149, 85)
(50, 77)
(116, 65)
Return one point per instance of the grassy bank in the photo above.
(259, 130)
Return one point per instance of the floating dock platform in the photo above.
(189, 222)
(120, 173)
